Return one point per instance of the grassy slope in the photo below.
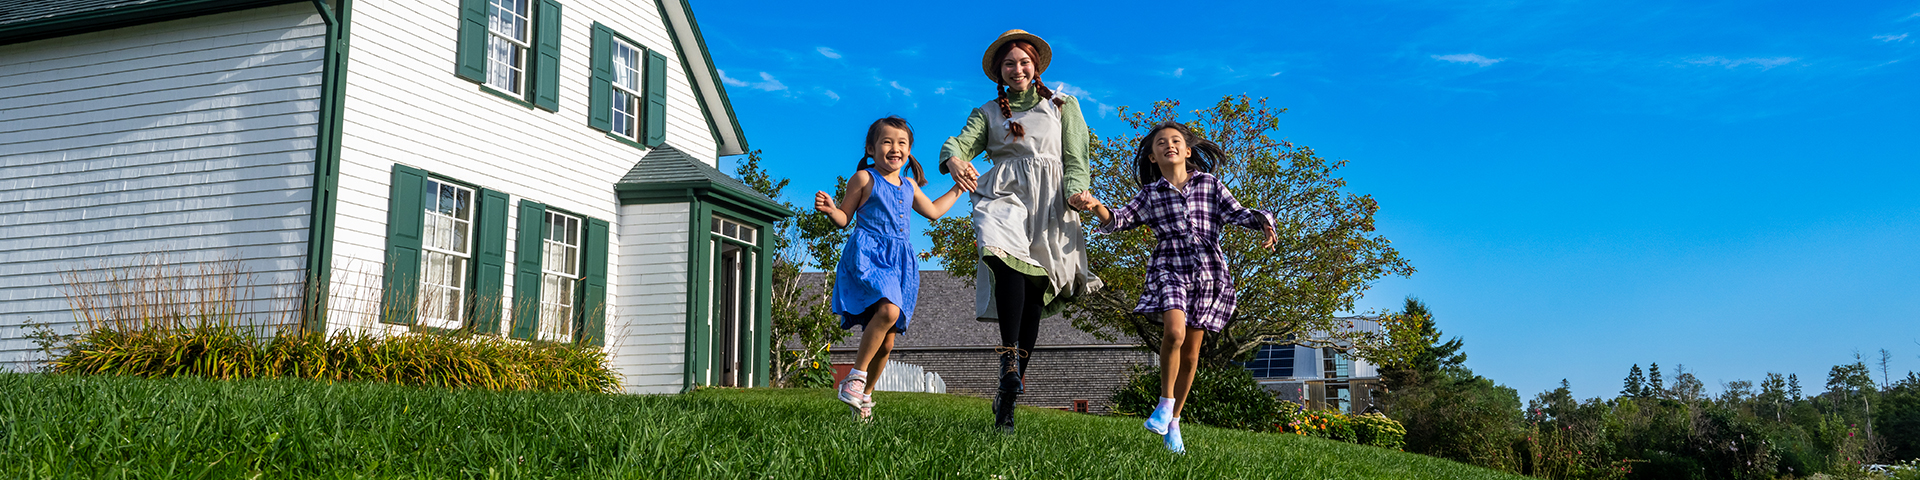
(55, 426)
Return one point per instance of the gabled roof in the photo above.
(667, 169)
(28, 20)
(707, 87)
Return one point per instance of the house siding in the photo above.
(647, 329)
(177, 142)
(405, 105)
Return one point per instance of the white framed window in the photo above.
(559, 276)
(735, 230)
(509, 32)
(626, 90)
(447, 251)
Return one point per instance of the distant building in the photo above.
(1319, 377)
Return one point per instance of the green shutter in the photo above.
(600, 87)
(490, 261)
(593, 302)
(546, 67)
(405, 211)
(471, 59)
(526, 267)
(656, 109)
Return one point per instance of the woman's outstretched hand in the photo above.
(963, 174)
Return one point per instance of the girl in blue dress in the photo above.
(878, 279)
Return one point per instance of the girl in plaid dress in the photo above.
(1188, 287)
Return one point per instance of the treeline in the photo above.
(1656, 428)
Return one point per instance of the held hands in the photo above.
(1083, 201)
(1271, 238)
(963, 173)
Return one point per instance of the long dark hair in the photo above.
(1015, 130)
(1202, 154)
(873, 135)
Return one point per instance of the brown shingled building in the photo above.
(1071, 369)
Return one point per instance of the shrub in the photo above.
(423, 359)
(1377, 430)
(1225, 397)
(153, 320)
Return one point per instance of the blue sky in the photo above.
(1729, 186)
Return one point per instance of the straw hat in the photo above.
(1043, 54)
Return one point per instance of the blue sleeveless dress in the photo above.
(878, 261)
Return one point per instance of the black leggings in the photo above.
(1018, 299)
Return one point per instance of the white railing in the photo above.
(907, 377)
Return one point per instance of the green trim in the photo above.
(470, 57)
(508, 96)
(697, 307)
(131, 15)
(755, 207)
(545, 57)
(626, 141)
(526, 268)
(757, 262)
(400, 276)
(591, 328)
(763, 304)
(713, 71)
(490, 262)
(326, 165)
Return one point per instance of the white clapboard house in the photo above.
(539, 169)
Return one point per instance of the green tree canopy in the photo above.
(1327, 256)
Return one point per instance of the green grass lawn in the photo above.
(115, 427)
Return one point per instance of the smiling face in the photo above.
(1016, 67)
(1169, 147)
(890, 148)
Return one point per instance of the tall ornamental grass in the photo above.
(152, 320)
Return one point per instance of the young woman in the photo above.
(1032, 249)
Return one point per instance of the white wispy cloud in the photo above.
(941, 90)
(767, 82)
(834, 96)
(828, 52)
(903, 90)
(1473, 58)
(1890, 38)
(1179, 71)
(1275, 74)
(1763, 63)
(1086, 98)
(730, 81)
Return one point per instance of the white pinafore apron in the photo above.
(1020, 212)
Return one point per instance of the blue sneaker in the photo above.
(1172, 439)
(1159, 420)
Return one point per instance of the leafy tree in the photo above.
(1635, 384)
(1686, 388)
(1793, 386)
(796, 320)
(1773, 398)
(1327, 256)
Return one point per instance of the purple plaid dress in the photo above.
(1188, 271)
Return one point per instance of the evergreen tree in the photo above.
(1655, 387)
(1635, 383)
(1793, 386)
